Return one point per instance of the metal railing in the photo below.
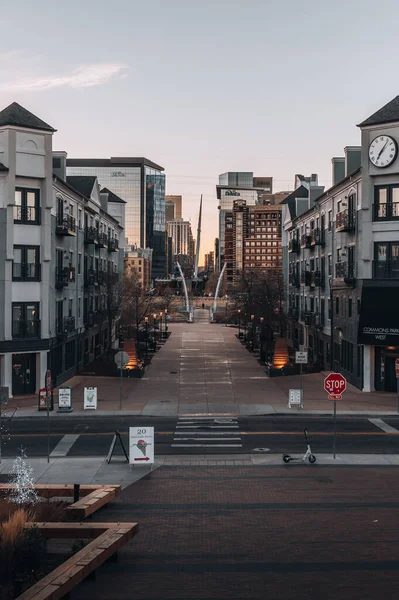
(91, 235)
(386, 211)
(345, 270)
(65, 224)
(27, 214)
(345, 220)
(113, 245)
(306, 240)
(306, 277)
(102, 240)
(61, 277)
(293, 246)
(317, 237)
(387, 269)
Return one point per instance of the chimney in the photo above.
(104, 200)
(352, 159)
(59, 164)
(338, 169)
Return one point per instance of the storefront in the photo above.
(379, 330)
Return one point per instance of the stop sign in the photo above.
(335, 385)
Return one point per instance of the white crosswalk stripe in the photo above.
(199, 432)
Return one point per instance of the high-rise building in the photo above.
(182, 237)
(139, 260)
(173, 207)
(210, 262)
(141, 183)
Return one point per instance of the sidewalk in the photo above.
(204, 369)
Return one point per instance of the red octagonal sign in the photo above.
(335, 385)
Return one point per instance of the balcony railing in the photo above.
(293, 246)
(306, 317)
(90, 319)
(293, 279)
(317, 237)
(26, 271)
(317, 279)
(100, 277)
(28, 215)
(113, 245)
(346, 271)
(387, 269)
(306, 240)
(293, 313)
(319, 320)
(26, 329)
(65, 225)
(61, 277)
(306, 277)
(91, 235)
(345, 220)
(89, 277)
(386, 212)
(102, 240)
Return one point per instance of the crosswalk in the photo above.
(207, 432)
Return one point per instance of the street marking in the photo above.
(64, 446)
(197, 439)
(209, 426)
(384, 426)
(206, 445)
(207, 432)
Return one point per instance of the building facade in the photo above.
(210, 262)
(173, 207)
(141, 183)
(60, 252)
(343, 261)
(139, 259)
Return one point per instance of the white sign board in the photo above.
(141, 445)
(90, 398)
(121, 359)
(301, 358)
(64, 398)
(295, 398)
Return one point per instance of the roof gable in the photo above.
(112, 197)
(387, 114)
(82, 183)
(18, 116)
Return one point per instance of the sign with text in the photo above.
(65, 398)
(335, 385)
(301, 358)
(90, 398)
(295, 398)
(141, 445)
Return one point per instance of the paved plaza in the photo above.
(202, 369)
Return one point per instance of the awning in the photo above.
(379, 316)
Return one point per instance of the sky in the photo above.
(202, 87)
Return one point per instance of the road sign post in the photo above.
(48, 398)
(301, 358)
(335, 385)
(121, 360)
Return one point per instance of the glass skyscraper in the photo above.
(141, 183)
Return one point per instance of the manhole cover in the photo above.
(261, 450)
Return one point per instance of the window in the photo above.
(330, 264)
(337, 306)
(79, 307)
(26, 263)
(25, 319)
(80, 218)
(386, 202)
(27, 206)
(386, 260)
(350, 307)
(329, 220)
(70, 307)
(358, 306)
(79, 264)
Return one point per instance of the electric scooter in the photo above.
(307, 456)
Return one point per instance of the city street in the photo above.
(216, 435)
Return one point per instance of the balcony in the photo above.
(386, 269)
(65, 225)
(69, 324)
(386, 211)
(89, 321)
(89, 278)
(317, 237)
(293, 246)
(102, 240)
(345, 271)
(306, 240)
(317, 279)
(27, 215)
(306, 278)
(306, 317)
(113, 245)
(293, 314)
(64, 326)
(91, 235)
(61, 277)
(319, 321)
(26, 329)
(293, 279)
(100, 277)
(345, 221)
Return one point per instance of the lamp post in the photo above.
(239, 323)
(155, 339)
(260, 335)
(146, 338)
(252, 331)
(160, 325)
(227, 299)
(166, 323)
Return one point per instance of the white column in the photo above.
(368, 369)
(41, 368)
(6, 372)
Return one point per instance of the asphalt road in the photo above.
(239, 436)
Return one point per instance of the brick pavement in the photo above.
(205, 369)
(253, 533)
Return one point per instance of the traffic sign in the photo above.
(397, 367)
(122, 359)
(335, 385)
(301, 358)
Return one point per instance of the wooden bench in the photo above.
(87, 505)
(58, 583)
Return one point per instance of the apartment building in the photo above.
(139, 260)
(60, 252)
(342, 260)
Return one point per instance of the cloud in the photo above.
(83, 76)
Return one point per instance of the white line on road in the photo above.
(384, 426)
(210, 426)
(197, 439)
(207, 432)
(64, 446)
(206, 446)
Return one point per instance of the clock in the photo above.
(383, 151)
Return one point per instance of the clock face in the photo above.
(383, 151)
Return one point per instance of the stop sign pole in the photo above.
(335, 385)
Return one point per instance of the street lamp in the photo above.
(160, 325)
(166, 323)
(146, 338)
(239, 323)
(227, 299)
(155, 320)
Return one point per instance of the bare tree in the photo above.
(166, 296)
(136, 303)
(113, 302)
